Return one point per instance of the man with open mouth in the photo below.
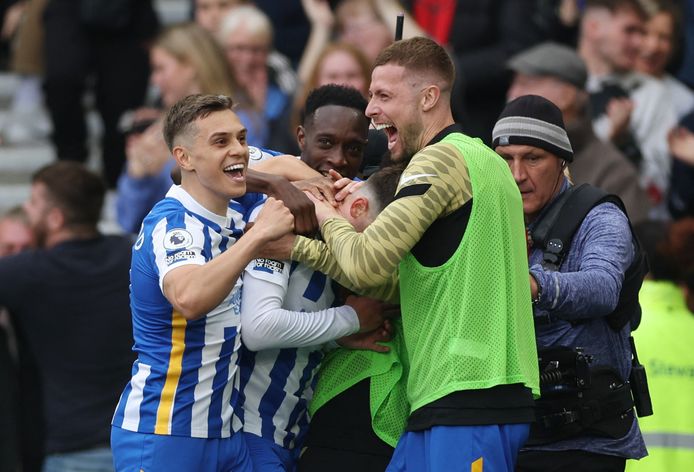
(453, 241)
(180, 409)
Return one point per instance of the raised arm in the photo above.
(194, 289)
(317, 255)
(265, 324)
(322, 20)
(435, 183)
(286, 166)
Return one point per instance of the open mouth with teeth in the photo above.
(236, 172)
(391, 133)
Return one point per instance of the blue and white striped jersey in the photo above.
(257, 155)
(185, 381)
(277, 384)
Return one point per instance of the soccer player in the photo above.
(287, 318)
(179, 410)
(455, 236)
(286, 307)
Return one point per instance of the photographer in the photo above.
(585, 417)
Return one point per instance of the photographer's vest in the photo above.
(578, 397)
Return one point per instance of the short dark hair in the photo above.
(333, 94)
(419, 54)
(382, 184)
(639, 6)
(182, 115)
(76, 190)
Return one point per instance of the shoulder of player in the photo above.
(165, 208)
(441, 155)
(258, 154)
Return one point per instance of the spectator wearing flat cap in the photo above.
(572, 303)
(557, 73)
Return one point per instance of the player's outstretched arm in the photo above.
(195, 290)
(287, 166)
(434, 183)
(266, 325)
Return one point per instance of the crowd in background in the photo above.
(621, 72)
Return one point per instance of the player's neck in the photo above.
(435, 126)
(208, 199)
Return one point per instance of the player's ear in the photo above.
(301, 136)
(359, 207)
(182, 156)
(430, 97)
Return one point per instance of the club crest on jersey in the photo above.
(254, 153)
(177, 239)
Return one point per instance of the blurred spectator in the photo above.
(79, 328)
(681, 145)
(686, 69)
(367, 25)
(104, 40)
(482, 35)
(23, 25)
(15, 233)
(15, 236)
(358, 23)
(334, 63)
(663, 38)
(664, 343)
(629, 109)
(322, 20)
(209, 13)
(341, 64)
(185, 60)
(557, 73)
(559, 20)
(662, 41)
(289, 24)
(246, 34)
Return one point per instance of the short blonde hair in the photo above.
(420, 55)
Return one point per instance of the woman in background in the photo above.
(185, 59)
